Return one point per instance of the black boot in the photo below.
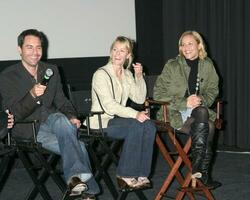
(206, 178)
(199, 134)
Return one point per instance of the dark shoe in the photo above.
(127, 183)
(205, 170)
(210, 183)
(76, 186)
(87, 196)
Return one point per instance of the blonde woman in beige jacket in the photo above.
(112, 85)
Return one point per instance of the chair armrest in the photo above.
(163, 104)
(152, 101)
(218, 121)
(26, 121)
(92, 113)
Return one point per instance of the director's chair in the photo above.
(178, 159)
(103, 150)
(38, 163)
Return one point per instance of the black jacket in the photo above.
(15, 84)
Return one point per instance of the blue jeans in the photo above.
(137, 151)
(59, 135)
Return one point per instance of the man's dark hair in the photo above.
(27, 32)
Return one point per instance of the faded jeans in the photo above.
(59, 135)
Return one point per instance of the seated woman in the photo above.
(112, 85)
(189, 83)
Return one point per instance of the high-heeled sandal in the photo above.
(144, 182)
(127, 183)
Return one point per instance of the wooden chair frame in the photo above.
(175, 163)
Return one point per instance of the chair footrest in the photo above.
(82, 132)
(193, 189)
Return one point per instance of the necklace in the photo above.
(193, 79)
(197, 87)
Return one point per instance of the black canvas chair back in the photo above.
(82, 101)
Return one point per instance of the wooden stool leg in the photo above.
(187, 180)
(174, 167)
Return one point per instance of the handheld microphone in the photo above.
(48, 73)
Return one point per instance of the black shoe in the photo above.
(87, 196)
(76, 186)
(211, 184)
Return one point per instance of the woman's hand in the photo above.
(138, 70)
(142, 116)
(194, 101)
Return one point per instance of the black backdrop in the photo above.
(225, 25)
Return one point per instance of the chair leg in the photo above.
(139, 193)
(33, 175)
(173, 164)
(47, 172)
(110, 157)
(123, 195)
(101, 172)
(47, 164)
(5, 169)
(183, 154)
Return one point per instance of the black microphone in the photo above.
(48, 73)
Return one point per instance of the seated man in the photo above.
(28, 97)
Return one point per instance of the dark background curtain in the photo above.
(225, 26)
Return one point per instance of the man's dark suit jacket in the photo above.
(15, 85)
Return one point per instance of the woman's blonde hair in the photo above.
(202, 52)
(129, 46)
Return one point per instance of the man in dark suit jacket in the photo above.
(28, 99)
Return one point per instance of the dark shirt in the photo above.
(192, 78)
(15, 85)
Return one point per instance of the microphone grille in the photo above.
(49, 72)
